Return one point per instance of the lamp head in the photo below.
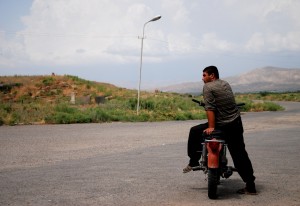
(155, 18)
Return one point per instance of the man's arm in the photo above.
(211, 121)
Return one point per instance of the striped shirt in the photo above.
(218, 97)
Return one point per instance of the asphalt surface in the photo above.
(141, 163)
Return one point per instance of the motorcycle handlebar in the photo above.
(202, 103)
(240, 104)
(198, 102)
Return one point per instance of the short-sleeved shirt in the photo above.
(218, 97)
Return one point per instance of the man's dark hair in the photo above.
(212, 70)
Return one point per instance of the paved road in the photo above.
(141, 163)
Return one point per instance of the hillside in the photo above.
(257, 80)
(51, 88)
(69, 99)
(54, 99)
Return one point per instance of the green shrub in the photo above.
(47, 81)
(6, 107)
(264, 93)
(270, 106)
(98, 115)
(81, 118)
(132, 103)
(147, 104)
(180, 116)
(65, 108)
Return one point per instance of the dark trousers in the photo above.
(234, 138)
(195, 144)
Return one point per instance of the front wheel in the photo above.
(212, 183)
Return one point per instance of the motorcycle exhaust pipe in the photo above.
(198, 168)
(229, 172)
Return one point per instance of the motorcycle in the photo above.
(214, 162)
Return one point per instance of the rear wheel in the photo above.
(212, 183)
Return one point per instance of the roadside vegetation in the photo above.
(48, 100)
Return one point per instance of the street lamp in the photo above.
(141, 62)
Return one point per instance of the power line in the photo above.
(63, 35)
(166, 44)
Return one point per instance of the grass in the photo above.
(46, 99)
(152, 108)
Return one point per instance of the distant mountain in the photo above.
(258, 80)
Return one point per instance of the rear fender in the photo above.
(213, 149)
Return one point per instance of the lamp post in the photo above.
(141, 63)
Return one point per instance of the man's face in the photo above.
(207, 78)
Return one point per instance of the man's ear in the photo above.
(212, 76)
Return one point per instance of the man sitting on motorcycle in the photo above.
(222, 114)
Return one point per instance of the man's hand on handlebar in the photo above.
(209, 130)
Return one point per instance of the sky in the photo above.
(100, 40)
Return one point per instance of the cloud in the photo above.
(57, 30)
(12, 51)
(211, 42)
(273, 42)
(78, 32)
(177, 11)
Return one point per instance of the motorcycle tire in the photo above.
(213, 177)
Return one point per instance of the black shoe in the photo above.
(249, 189)
(246, 191)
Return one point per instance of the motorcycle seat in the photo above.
(217, 134)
